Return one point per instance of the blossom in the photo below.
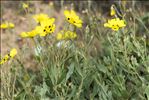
(113, 12)
(47, 27)
(40, 17)
(72, 18)
(4, 26)
(30, 34)
(11, 25)
(59, 36)
(5, 59)
(24, 5)
(115, 24)
(66, 35)
(24, 34)
(12, 54)
(7, 25)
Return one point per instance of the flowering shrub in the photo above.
(81, 59)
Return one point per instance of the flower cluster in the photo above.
(62, 35)
(115, 24)
(72, 18)
(12, 54)
(46, 26)
(7, 25)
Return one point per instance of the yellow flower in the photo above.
(40, 17)
(24, 34)
(73, 18)
(72, 34)
(30, 34)
(24, 5)
(11, 25)
(4, 26)
(7, 25)
(113, 12)
(115, 24)
(40, 31)
(48, 21)
(5, 59)
(12, 54)
(59, 36)
(47, 27)
(66, 35)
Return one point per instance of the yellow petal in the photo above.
(43, 34)
(73, 13)
(78, 25)
(53, 28)
(5, 59)
(39, 29)
(115, 28)
(11, 25)
(13, 52)
(122, 23)
(59, 36)
(24, 35)
(4, 26)
(73, 18)
(66, 35)
(52, 20)
(40, 17)
(32, 33)
(106, 25)
(2, 62)
(67, 13)
(75, 35)
(79, 21)
(47, 22)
